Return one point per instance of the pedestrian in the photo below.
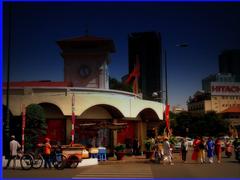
(47, 152)
(210, 149)
(14, 146)
(202, 147)
(135, 147)
(195, 153)
(167, 151)
(184, 149)
(218, 150)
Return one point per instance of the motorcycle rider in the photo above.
(236, 144)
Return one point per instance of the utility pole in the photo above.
(7, 126)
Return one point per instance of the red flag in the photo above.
(134, 75)
(167, 116)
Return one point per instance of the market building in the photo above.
(107, 117)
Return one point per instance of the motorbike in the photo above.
(237, 153)
(228, 150)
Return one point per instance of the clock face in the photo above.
(84, 71)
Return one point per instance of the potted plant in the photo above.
(149, 143)
(119, 151)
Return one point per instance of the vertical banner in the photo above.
(73, 118)
(23, 109)
(167, 117)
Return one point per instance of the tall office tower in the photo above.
(229, 62)
(146, 47)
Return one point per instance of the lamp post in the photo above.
(167, 107)
(7, 125)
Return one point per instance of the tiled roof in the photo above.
(233, 109)
(38, 84)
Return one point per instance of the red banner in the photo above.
(167, 116)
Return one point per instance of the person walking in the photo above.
(184, 149)
(195, 153)
(14, 146)
(135, 147)
(167, 151)
(202, 147)
(210, 149)
(218, 150)
(47, 152)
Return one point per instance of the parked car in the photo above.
(190, 141)
(177, 147)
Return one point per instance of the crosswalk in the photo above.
(117, 171)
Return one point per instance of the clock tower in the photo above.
(86, 60)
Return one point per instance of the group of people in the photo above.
(15, 147)
(203, 148)
(163, 150)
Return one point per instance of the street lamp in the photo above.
(167, 107)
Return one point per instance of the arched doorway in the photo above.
(94, 127)
(56, 122)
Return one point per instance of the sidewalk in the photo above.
(85, 162)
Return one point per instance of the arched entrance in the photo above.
(94, 127)
(56, 122)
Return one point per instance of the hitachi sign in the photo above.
(225, 88)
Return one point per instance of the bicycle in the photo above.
(57, 159)
(26, 160)
(37, 159)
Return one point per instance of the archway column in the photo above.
(114, 134)
(142, 134)
(68, 129)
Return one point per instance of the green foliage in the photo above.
(117, 85)
(36, 125)
(193, 124)
(172, 140)
(119, 148)
(149, 144)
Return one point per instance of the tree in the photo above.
(115, 84)
(36, 125)
(199, 124)
(217, 126)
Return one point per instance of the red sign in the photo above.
(234, 89)
(225, 88)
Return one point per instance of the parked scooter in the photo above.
(228, 149)
(237, 153)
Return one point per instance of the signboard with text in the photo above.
(225, 88)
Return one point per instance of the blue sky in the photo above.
(208, 28)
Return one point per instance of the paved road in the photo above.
(138, 169)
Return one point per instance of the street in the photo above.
(229, 168)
